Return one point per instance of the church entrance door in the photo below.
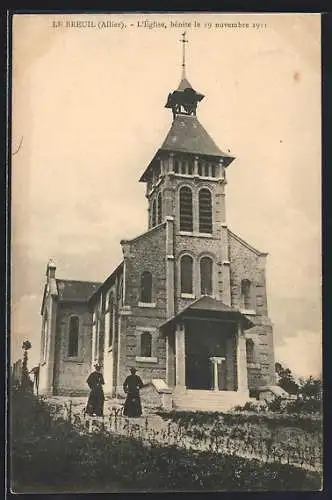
(198, 369)
(203, 341)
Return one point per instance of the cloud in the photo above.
(302, 354)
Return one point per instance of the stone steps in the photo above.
(196, 400)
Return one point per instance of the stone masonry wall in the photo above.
(248, 264)
(196, 244)
(70, 373)
(145, 253)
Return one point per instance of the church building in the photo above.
(188, 302)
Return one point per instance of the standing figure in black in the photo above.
(132, 386)
(95, 381)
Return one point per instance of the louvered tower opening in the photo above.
(205, 211)
(186, 209)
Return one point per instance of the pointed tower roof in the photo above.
(184, 84)
(186, 134)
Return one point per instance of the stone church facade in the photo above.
(187, 304)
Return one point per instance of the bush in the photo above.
(250, 406)
(309, 423)
(275, 404)
(304, 406)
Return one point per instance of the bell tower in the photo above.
(186, 181)
(184, 100)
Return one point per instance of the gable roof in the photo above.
(211, 307)
(76, 291)
(107, 283)
(207, 303)
(247, 245)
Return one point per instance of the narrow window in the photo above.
(160, 213)
(200, 168)
(213, 171)
(73, 337)
(154, 215)
(176, 166)
(111, 316)
(45, 336)
(246, 301)
(186, 209)
(120, 291)
(190, 167)
(205, 211)
(186, 272)
(206, 170)
(146, 287)
(146, 345)
(250, 351)
(206, 266)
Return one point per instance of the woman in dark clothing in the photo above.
(96, 399)
(132, 386)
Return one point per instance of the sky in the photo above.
(88, 111)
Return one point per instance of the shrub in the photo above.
(52, 454)
(304, 406)
(275, 404)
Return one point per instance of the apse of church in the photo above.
(188, 303)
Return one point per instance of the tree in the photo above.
(25, 380)
(311, 388)
(286, 380)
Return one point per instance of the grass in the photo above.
(52, 456)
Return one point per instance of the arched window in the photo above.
(146, 287)
(186, 209)
(205, 211)
(246, 296)
(111, 316)
(154, 214)
(206, 267)
(160, 208)
(186, 273)
(73, 337)
(250, 348)
(146, 345)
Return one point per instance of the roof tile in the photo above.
(78, 291)
(189, 136)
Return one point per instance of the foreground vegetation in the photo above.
(56, 457)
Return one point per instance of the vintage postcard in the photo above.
(166, 252)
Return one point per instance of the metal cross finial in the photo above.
(184, 41)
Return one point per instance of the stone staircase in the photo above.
(205, 400)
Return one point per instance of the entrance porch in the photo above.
(206, 356)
